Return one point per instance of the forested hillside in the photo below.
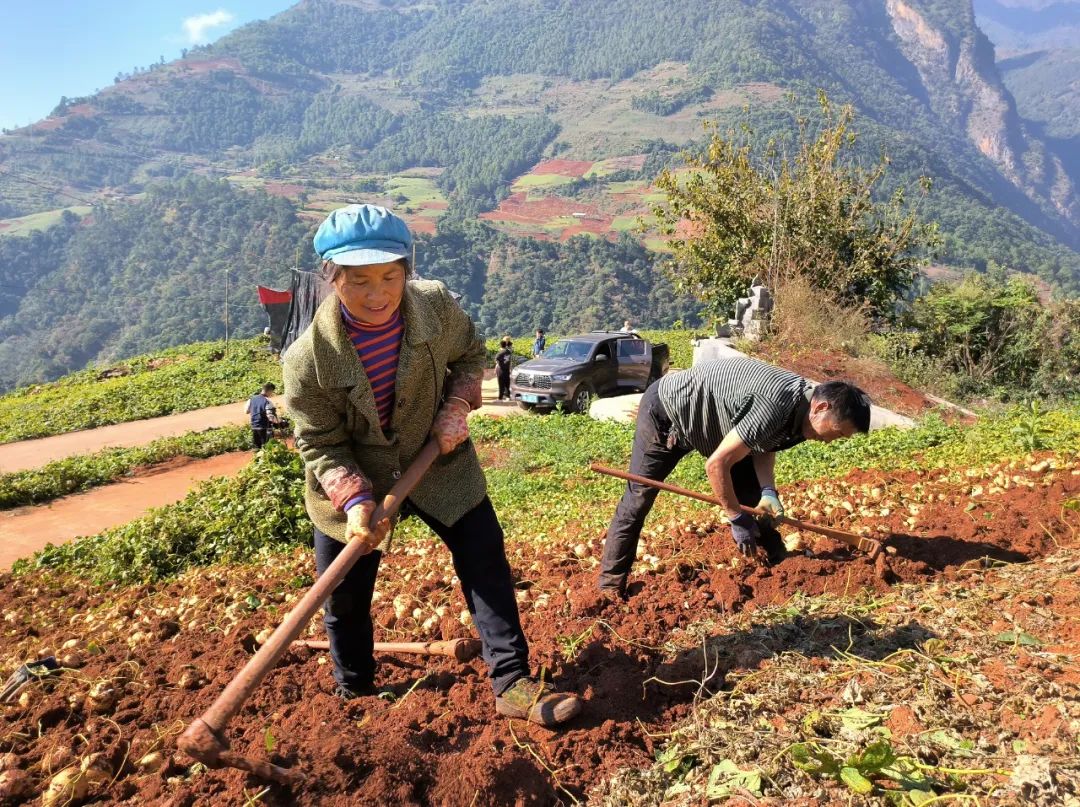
(476, 94)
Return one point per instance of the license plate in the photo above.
(531, 398)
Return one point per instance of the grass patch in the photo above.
(540, 181)
(39, 221)
(176, 380)
(415, 189)
(625, 224)
(74, 474)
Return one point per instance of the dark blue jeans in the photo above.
(657, 450)
(476, 544)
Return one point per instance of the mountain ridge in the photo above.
(445, 110)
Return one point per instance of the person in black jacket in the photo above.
(504, 361)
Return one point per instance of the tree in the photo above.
(738, 215)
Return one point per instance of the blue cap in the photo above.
(358, 235)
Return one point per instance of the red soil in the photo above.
(422, 224)
(519, 209)
(440, 743)
(286, 190)
(566, 168)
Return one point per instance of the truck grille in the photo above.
(536, 381)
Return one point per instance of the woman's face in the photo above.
(371, 293)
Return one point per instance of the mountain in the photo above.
(540, 119)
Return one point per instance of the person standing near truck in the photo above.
(504, 360)
(387, 364)
(263, 415)
(539, 343)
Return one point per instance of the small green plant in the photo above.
(1031, 431)
(571, 645)
(861, 771)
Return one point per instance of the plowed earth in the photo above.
(168, 650)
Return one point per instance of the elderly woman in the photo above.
(386, 362)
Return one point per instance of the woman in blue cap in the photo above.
(387, 363)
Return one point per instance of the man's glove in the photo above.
(359, 526)
(770, 505)
(451, 429)
(745, 532)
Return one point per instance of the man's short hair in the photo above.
(847, 403)
(269, 386)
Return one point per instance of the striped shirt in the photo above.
(762, 403)
(378, 347)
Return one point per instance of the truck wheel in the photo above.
(582, 396)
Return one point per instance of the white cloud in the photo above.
(198, 26)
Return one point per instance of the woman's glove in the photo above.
(745, 532)
(451, 429)
(359, 527)
(770, 505)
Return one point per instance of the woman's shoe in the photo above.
(528, 699)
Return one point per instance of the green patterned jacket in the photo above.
(336, 423)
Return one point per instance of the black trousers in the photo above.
(260, 436)
(476, 544)
(657, 450)
(504, 384)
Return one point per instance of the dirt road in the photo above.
(35, 453)
(25, 530)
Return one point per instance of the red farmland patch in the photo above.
(283, 189)
(566, 168)
(421, 224)
(519, 209)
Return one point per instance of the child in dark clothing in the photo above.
(504, 360)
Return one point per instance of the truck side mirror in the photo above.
(600, 357)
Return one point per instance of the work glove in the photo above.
(770, 505)
(451, 429)
(744, 529)
(358, 526)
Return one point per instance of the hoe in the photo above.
(204, 740)
(860, 542)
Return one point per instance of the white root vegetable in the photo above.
(69, 787)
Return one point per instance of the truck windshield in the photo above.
(566, 349)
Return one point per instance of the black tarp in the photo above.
(308, 290)
(276, 303)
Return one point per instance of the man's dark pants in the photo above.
(657, 450)
(260, 436)
(504, 383)
(476, 544)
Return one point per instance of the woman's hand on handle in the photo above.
(360, 528)
(451, 428)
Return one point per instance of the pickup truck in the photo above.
(576, 368)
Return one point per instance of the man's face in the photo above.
(371, 293)
(823, 425)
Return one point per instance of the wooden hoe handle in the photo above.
(457, 649)
(204, 739)
(860, 542)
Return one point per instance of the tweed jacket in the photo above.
(337, 425)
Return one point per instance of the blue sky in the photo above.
(49, 49)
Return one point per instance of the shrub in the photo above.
(812, 319)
